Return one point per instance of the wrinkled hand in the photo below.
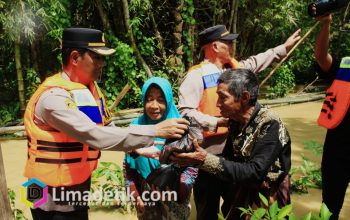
(140, 205)
(188, 159)
(172, 128)
(222, 122)
(150, 152)
(292, 40)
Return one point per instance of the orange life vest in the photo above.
(337, 99)
(53, 157)
(210, 75)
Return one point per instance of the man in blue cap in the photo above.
(67, 122)
(198, 99)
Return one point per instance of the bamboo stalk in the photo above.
(132, 39)
(303, 89)
(289, 53)
(127, 111)
(120, 97)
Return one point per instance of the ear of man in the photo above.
(215, 46)
(245, 97)
(74, 56)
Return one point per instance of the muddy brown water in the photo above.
(301, 123)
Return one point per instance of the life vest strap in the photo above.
(57, 161)
(91, 159)
(60, 149)
(59, 144)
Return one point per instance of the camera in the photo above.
(326, 6)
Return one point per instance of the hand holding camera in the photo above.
(324, 7)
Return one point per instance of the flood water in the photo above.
(301, 123)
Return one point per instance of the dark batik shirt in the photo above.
(260, 151)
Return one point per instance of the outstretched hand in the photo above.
(188, 159)
(172, 128)
(292, 40)
(149, 152)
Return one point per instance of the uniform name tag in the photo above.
(211, 80)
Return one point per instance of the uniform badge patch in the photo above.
(70, 104)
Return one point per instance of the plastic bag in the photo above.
(168, 176)
(184, 144)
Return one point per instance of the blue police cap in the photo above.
(217, 32)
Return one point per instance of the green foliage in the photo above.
(25, 17)
(270, 28)
(32, 81)
(188, 18)
(301, 63)
(281, 82)
(9, 113)
(221, 216)
(273, 212)
(309, 173)
(268, 212)
(122, 69)
(261, 25)
(146, 45)
(18, 214)
(315, 147)
(108, 178)
(9, 107)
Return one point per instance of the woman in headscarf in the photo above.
(157, 99)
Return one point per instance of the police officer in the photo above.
(67, 123)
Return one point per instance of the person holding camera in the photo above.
(335, 116)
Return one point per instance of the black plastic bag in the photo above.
(167, 176)
(184, 144)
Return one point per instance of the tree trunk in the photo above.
(103, 15)
(233, 23)
(19, 75)
(178, 33)
(35, 59)
(132, 39)
(118, 19)
(191, 33)
(158, 35)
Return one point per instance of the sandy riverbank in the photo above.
(301, 123)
